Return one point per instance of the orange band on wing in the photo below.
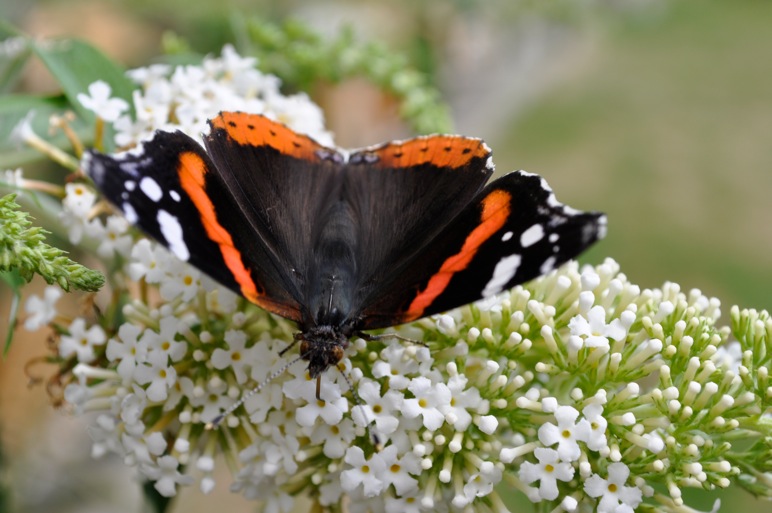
(438, 150)
(191, 171)
(256, 130)
(495, 212)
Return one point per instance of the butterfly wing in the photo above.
(405, 192)
(170, 188)
(513, 231)
(336, 218)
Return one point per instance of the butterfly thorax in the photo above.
(331, 289)
(322, 347)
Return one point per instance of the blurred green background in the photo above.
(658, 113)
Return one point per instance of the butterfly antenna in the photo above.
(216, 422)
(397, 336)
(358, 402)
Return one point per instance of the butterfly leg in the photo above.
(296, 339)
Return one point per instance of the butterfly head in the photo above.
(322, 347)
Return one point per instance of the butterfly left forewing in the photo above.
(513, 231)
(170, 189)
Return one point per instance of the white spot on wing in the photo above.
(548, 265)
(175, 195)
(505, 270)
(129, 185)
(151, 188)
(129, 213)
(532, 235)
(506, 236)
(602, 227)
(172, 232)
(93, 167)
(554, 237)
(489, 164)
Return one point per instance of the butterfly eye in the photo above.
(305, 348)
(337, 353)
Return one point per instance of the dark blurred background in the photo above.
(658, 113)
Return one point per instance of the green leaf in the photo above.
(15, 54)
(76, 64)
(14, 281)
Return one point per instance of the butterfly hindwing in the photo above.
(513, 231)
(171, 190)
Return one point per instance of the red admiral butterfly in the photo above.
(342, 242)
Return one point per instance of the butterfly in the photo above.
(342, 242)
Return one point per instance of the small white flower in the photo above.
(330, 408)
(13, 178)
(41, 310)
(104, 436)
(211, 397)
(219, 298)
(384, 409)
(596, 434)
(22, 132)
(159, 374)
(76, 207)
(729, 355)
(301, 114)
(78, 199)
(463, 399)
(331, 490)
(281, 449)
(237, 356)
(399, 469)
(566, 434)
(99, 102)
(140, 450)
(183, 283)
(336, 437)
(403, 504)
(113, 237)
(481, 483)
(429, 402)
(128, 348)
(149, 74)
(166, 475)
(593, 329)
(396, 365)
(165, 340)
(149, 261)
(364, 471)
(81, 341)
(229, 62)
(548, 472)
(615, 496)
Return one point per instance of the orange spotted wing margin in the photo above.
(513, 231)
(168, 188)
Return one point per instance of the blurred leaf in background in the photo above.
(667, 129)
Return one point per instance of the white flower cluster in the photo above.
(579, 388)
(185, 97)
